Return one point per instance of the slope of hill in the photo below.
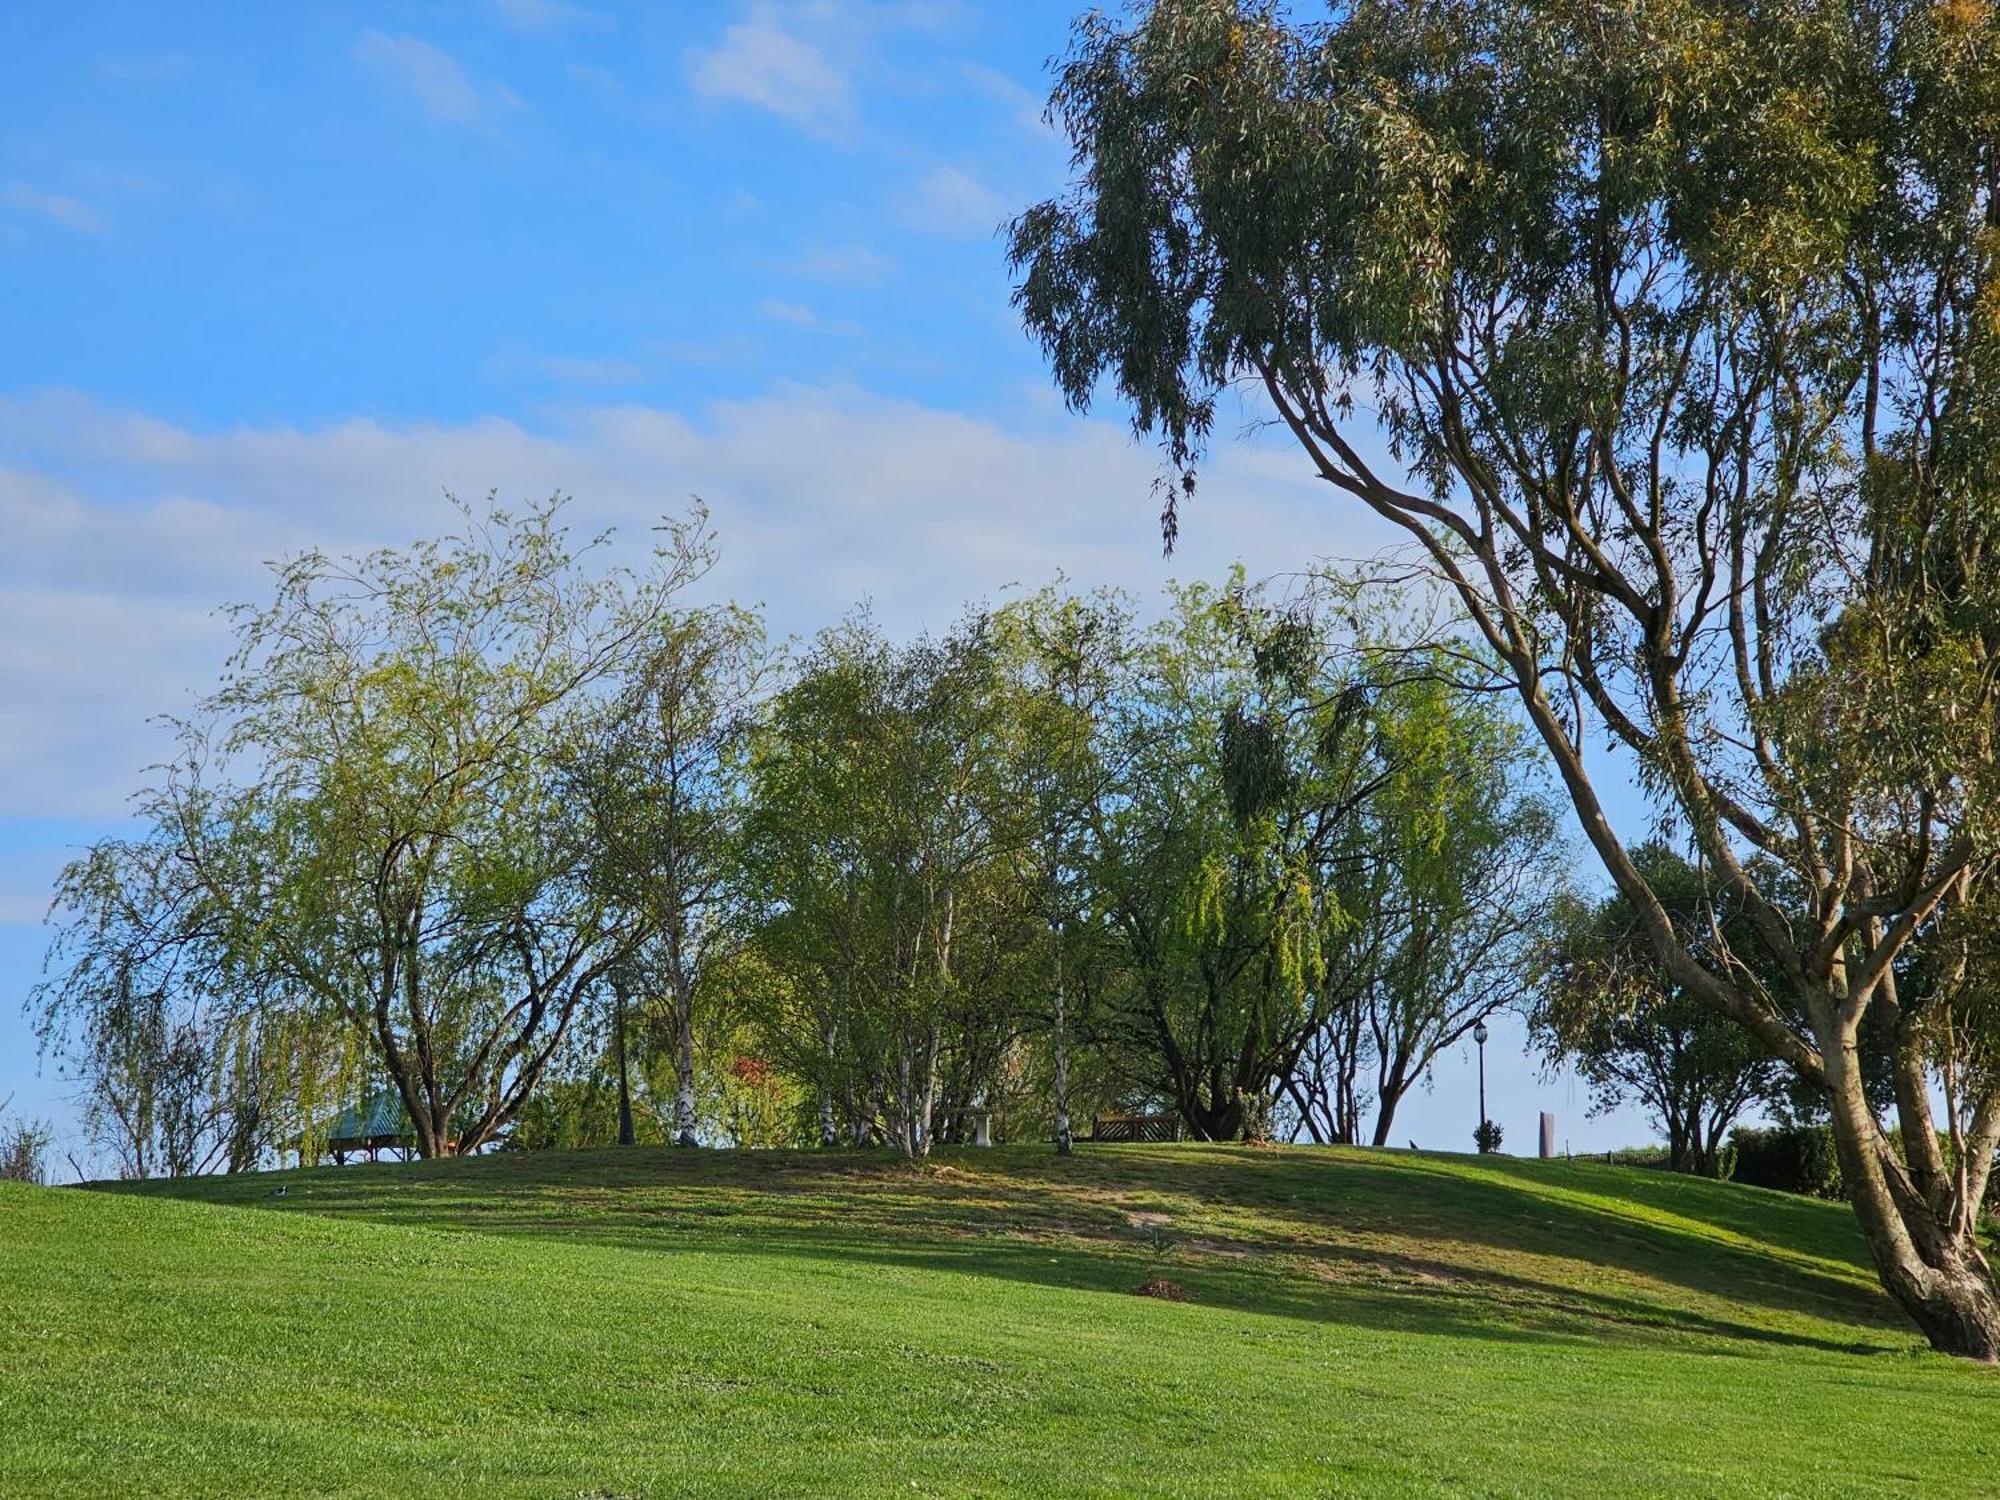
(709, 1323)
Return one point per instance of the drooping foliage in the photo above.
(564, 859)
(372, 857)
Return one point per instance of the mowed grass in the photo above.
(711, 1323)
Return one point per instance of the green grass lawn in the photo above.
(712, 1323)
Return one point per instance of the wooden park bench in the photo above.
(1135, 1128)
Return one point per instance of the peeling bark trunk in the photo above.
(1936, 1274)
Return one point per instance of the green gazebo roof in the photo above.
(378, 1118)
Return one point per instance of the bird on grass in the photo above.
(278, 1192)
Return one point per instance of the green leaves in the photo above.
(372, 841)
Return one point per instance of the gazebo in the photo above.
(377, 1124)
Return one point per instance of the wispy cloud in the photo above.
(780, 311)
(951, 201)
(438, 81)
(71, 213)
(600, 83)
(842, 262)
(1026, 108)
(602, 371)
(761, 60)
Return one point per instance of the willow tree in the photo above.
(1458, 859)
(187, 1058)
(376, 826)
(1669, 333)
(1221, 856)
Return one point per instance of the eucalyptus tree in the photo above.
(372, 825)
(1678, 320)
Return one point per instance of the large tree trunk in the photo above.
(432, 1142)
(1940, 1278)
(1677, 1143)
(1212, 1122)
(1389, 1091)
(1936, 1273)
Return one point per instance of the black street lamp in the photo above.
(1479, 1035)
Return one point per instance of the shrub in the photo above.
(1487, 1137)
(22, 1146)
(1791, 1158)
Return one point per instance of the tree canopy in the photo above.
(1678, 320)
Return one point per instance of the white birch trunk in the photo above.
(829, 1132)
(684, 1121)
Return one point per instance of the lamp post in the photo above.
(1479, 1035)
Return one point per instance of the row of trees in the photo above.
(561, 856)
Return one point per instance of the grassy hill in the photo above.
(644, 1323)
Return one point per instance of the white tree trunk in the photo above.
(684, 1121)
(829, 1132)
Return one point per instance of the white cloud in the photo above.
(437, 80)
(71, 213)
(113, 570)
(761, 60)
(951, 201)
(1023, 105)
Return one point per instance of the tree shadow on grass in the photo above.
(1786, 1255)
(1293, 1233)
(1386, 1292)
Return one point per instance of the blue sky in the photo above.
(277, 276)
